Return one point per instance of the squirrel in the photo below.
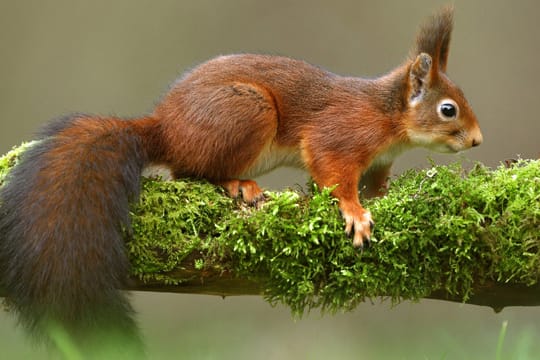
(232, 118)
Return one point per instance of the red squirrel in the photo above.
(229, 119)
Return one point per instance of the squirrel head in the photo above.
(438, 115)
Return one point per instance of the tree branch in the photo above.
(494, 294)
(442, 233)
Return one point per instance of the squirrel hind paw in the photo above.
(248, 190)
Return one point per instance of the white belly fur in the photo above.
(386, 157)
(156, 171)
(270, 158)
(274, 156)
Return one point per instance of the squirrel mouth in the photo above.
(445, 148)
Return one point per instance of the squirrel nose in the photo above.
(476, 138)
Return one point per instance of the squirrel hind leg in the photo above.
(248, 190)
(374, 182)
(223, 133)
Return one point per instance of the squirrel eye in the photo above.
(448, 110)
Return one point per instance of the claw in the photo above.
(358, 245)
(366, 242)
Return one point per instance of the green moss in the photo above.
(439, 228)
(9, 160)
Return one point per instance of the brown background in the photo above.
(118, 57)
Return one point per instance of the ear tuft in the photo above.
(419, 76)
(434, 37)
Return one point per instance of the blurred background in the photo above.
(118, 57)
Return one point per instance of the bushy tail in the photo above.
(63, 210)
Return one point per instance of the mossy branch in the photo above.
(444, 233)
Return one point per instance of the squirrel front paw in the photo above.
(358, 224)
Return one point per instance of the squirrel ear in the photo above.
(419, 76)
